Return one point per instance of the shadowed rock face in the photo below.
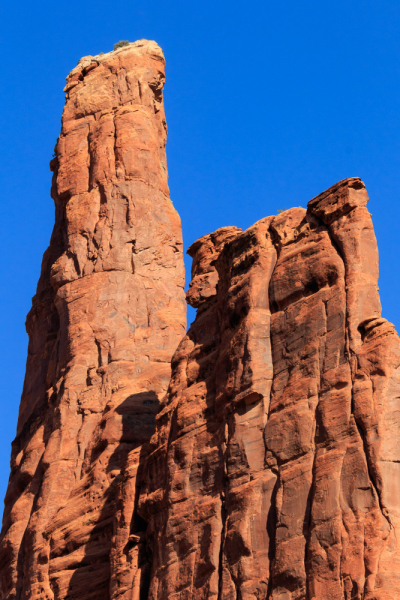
(108, 314)
(270, 471)
(274, 472)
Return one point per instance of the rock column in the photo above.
(108, 313)
(273, 470)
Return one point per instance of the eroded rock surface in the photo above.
(107, 316)
(274, 470)
(271, 468)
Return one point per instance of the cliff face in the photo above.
(274, 470)
(271, 468)
(108, 313)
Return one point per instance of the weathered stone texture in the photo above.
(273, 471)
(108, 314)
(270, 470)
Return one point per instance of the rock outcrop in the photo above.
(266, 466)
(274, 470)
(107, 316)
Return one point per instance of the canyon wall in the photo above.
(107, 316)
(257, 457)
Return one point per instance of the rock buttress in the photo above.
(108, 314)
(274, 469)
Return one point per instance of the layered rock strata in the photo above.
(274, 469)
(108, 313)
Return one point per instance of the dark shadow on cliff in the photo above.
(138, 413)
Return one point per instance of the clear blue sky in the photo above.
(268, 104)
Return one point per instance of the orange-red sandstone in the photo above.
(272, 471)
(108, 313)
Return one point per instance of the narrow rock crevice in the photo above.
(271, 530)
(371, 476)
(221, 549)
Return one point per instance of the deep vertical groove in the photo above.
(272, 513)
(115, 145)
(371, 476)
(98, 353)
(221, 549)
(271, 530)
(224, 512)
(308, 521)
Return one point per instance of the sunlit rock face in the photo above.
(273, 472)
(107, 316)
(263, 462)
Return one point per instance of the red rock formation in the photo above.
(274, 472)
(108, 314)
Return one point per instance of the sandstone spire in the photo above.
(108, 313)
(267, 466)
(274, 470)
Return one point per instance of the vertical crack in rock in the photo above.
(221, 549)
(101, 337)
(271, 529)
(372, 475)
